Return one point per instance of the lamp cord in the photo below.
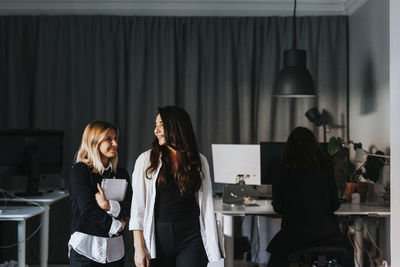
(294, 45)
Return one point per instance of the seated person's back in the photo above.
(305, 194)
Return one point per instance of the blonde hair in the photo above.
(89, 151)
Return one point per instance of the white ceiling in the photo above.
(180, 7)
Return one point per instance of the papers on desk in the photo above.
(114, 189)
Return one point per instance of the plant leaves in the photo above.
(334, 145)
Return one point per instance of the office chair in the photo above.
(318, 256)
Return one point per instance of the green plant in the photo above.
(341, 154)
(340, 150)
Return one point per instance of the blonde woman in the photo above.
(96, 222)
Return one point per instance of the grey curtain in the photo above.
(63, 71)
(60, 72)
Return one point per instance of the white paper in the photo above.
(114, 189)
(219, 263)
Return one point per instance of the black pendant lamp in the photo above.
(294, 80)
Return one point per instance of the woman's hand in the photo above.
(122, 226)
(141, 257)
(101, 200)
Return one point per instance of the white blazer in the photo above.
(143, 200)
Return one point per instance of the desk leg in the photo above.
(21, 243)
(229, 238)
(44, 236)
(358, 241)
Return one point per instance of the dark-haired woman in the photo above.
(172, 213)
(306, 196)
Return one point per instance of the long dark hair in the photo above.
(303, 151)
(179, 134)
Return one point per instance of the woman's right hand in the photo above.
(141, 257)
(101, 199)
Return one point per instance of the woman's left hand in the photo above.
(101, 199)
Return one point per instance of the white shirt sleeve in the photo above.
(115, 226)
(208, 215)
(138, 193)
(115, 208)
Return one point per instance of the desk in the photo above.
(20, 214)
(364, 209)
(265, 208)
(46, 200)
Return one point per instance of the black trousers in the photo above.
(77, 260)
(179, 244)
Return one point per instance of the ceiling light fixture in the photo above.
(294, 80)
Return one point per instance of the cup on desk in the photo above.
(249, 200)
(355, 198)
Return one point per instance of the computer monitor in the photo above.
(31, 153)
(233, 163)
(271, 155)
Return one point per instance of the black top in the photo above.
(171, 206)
(87, 216)
(306, 198)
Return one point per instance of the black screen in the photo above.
(271, 155)
(31, 153)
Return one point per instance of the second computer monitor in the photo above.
(271, 156)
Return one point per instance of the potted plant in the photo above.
(370, 169)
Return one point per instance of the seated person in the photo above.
(304, 192)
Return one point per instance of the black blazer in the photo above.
(87, 216)
(306, 198)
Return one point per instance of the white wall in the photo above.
(369, 91)
(395, 129)
(369, 75)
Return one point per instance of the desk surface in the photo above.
(265, 208)
(367, 208)
(19, 213)
(46, 198)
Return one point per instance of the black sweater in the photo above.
(306, 198)
(87, 216)
(171, 206)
